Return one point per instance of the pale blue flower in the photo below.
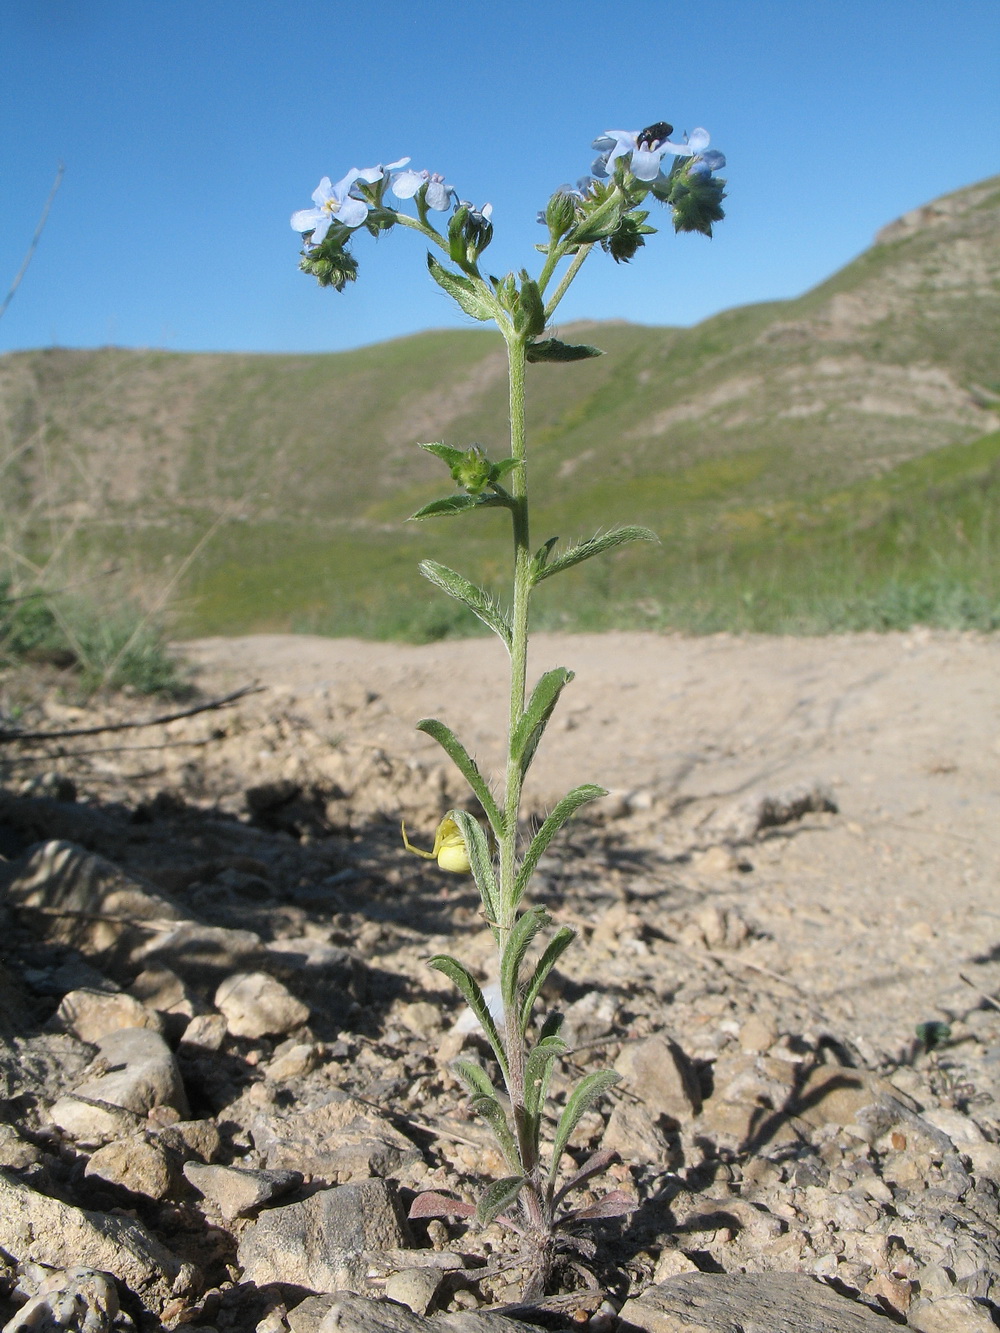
(646, 150)
(705, 164)
(439, 192)
(335, 203)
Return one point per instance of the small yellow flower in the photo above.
(449, 848)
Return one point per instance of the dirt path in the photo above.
(871, 912)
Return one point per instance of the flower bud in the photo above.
(449, 849)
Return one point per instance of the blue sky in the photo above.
(191, 129)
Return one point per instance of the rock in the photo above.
(236, 1191)
(139, 1164)
(91, 1014)
(202, 955)
(205, 1032)
(191, 1138)
(749, 1303)
(952, 1314)
(672, 1263)
(139, 1072)
(295, 1060)
(415, 1288)
(321, 1242)
(337, 1141)
(16, 1153)
(308, 1317)
(659, 1074)
(37, 1229)
(355, 1314)
(85, 901)
(744, 819)
(634, 1134)
(77, 1300)
(161, 989)
(255, 1005)
(91, 1123)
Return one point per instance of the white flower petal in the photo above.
(352, 212)
(307, 218)
(407, 183)
(322, 192)
(392, 166)
(698, 140)
(369, 174)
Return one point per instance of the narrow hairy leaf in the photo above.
(537, 1072)
(451, 504)
(490, 1109)
(498, 1196)
(569, 804)
(553, 350)
(526, 927)
(480, 860)
(466, 765)
(582, 1098)
(479, 602)
(475, 1078)
(604, 541)
(464, 291)
(555, 948)
(595, 1164)
(474, 998)
(534, 719)
(433, 1204)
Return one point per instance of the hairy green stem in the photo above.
(567, 278)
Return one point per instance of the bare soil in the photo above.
(871, 913)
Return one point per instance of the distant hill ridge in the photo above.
(893, 356)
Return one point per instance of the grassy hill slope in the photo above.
(813, 463)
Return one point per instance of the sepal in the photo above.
(554, 350)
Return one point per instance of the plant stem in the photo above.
(513, 1041)
(567, 278)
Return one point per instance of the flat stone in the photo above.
(91, 1123)
(749, 1303)
(952, 1314)
(92, 1014)
(86, 902)
(321, 1242)
(415, 1288)
(338, 1141)
(202, 955)
(191, 1138)
(138, 1164)
(140, 1072)
(659, 1074)
(236, 1191)
(37, 1229)
(355, 1314)
(256, 1005)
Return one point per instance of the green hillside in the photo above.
(826, 462)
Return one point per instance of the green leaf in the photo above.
(479, 602)
(480, 860)
(451, 504)
(525, 928)
(582, 1098)
(499, 1196)
(554, 950)
(537, 1073)
(473, 996)
(530, 316)
(534, 719)
(465, 292)
(604, 541)
(500, 470)
(475, 1078)
(553, 350)
(491, 1111)
(445, 452)
(466, 765)
(568, 806)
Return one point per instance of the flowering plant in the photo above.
(603, 210)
